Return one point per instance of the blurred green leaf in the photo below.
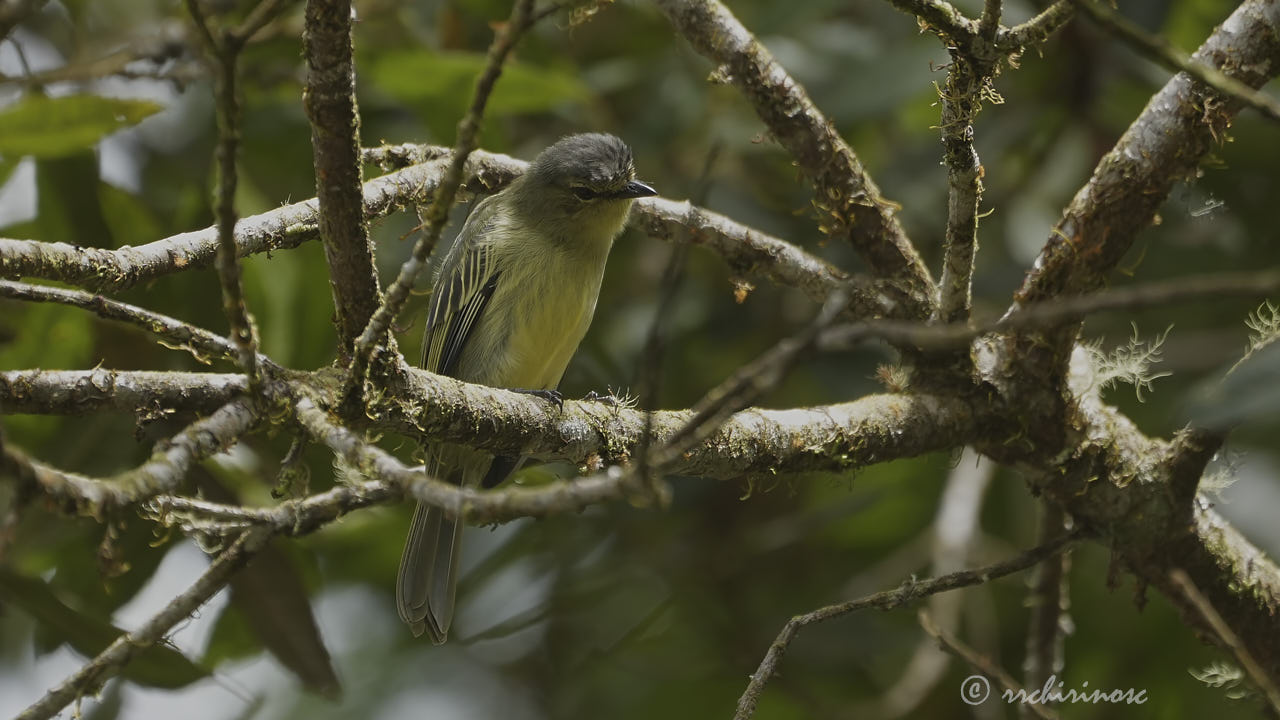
(156, 666)
(49, 337)
(269, 602)
(436, 81)
(52, 127)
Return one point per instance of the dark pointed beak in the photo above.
(636, 189)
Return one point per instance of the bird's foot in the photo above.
(552, 396)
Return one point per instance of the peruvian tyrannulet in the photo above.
(514, 297)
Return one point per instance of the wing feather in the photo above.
(466, 283)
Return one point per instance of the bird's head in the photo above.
(585, 179)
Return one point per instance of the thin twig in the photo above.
(438, 213)
(956, 530)
(1053, 311)
(1164, 53)
(223, 54)
(1228, 637)
(1047, 597)
(908, 592)
(172, 333)
(940, 16)
(110, 661)
(749, 382)
(262, 13)
(1037, 29)
(982, 664)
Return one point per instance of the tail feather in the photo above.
(428, 579)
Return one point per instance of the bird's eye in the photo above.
(582, 192)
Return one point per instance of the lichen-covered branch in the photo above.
(1037, 29)
(746, 250)
(961, 100)
(1179, 126)
(148, 394)
(1162, 51)
(330, 102)
(848, 202)
(162, 473)
(940, 16)
(751, 443)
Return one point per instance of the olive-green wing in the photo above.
(466, 282)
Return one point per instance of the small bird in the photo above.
(512, 301)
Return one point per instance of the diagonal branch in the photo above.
(109, 662)
(1163, 52)
(848, 201)
(162, 473)
(1177, 129)
(1037, 29)
(173, 333)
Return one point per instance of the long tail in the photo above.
(428, 579)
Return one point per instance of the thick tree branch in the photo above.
(849, 203)
(751, 443)
(1163, 52)
(961, 100)
(745, 249)
(145, 393)
(330, 102)
(1179, 126)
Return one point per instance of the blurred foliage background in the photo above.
(618, 612)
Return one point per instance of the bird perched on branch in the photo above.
(513, 299)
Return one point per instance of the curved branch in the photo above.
(202, 344)
(162, 473)
(849, 202)
(745, 249)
